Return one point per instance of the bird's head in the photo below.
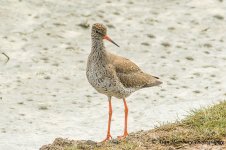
(99, 31)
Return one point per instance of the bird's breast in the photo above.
(96, 74)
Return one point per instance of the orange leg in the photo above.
(109, 121)
(126, 117)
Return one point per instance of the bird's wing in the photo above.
(130, 75)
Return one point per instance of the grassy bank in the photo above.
(202, 128)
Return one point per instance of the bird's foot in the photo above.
(109, 137)
(123, 136)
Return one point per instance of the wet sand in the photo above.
(44, 92)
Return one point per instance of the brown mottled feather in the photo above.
(129, 74)
(111, 74)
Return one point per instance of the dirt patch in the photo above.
(141, 140)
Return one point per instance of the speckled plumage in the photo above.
(114, 75)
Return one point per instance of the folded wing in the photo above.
(130, 75)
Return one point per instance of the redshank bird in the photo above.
(113, 75)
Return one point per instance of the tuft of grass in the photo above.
(151, 36)
(189, 58)
(207, 45)
(209, 122)
(84, 25)
(42, 107)
(218, 17)
(165, 44)
(204, 126)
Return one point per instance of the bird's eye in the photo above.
(98, 32)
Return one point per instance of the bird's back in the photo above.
(129, 74)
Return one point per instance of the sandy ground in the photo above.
(44, 92)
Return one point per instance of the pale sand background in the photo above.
(43, 89)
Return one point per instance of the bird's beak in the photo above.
(109, 39)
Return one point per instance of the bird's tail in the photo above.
(157, 82)
(153, 81)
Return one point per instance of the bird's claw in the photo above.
(109, 137)
(123, 136)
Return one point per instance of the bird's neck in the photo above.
(97, 44)
(98, 49)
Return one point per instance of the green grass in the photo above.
(207, 125)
